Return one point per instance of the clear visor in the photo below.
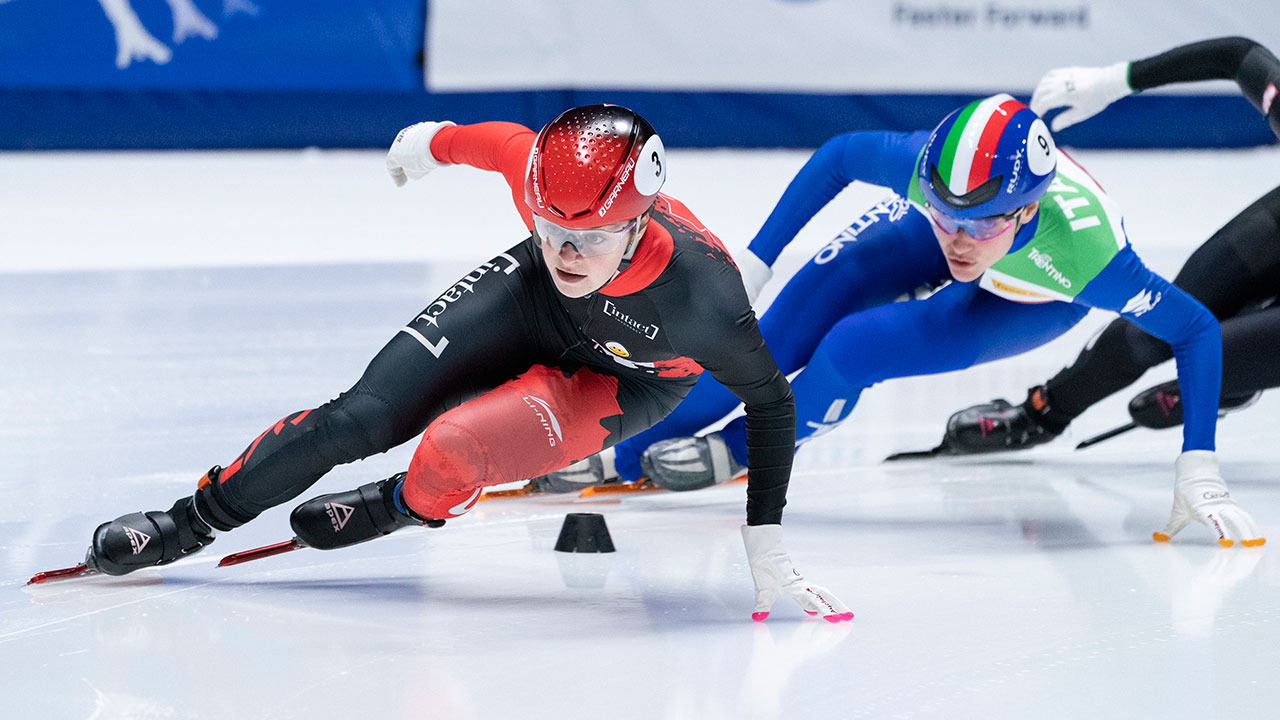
(979, 228)
(589, 242)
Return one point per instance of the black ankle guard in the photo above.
(1041, 411)
(212, 509)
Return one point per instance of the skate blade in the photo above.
(639, 486)
(262, 552)
(80, 570)
(1107, 435)
(914, 455)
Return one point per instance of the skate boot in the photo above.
(144, 539)
(690, 463)
(1160, 406)
(341, 519)
(595, 470)
(998, 426)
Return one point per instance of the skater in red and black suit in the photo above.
(590, 330)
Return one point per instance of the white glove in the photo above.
(774, 575)
(1084, 91)
(755, 273)
(410, 155)
(1200, 494)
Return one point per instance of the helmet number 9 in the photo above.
(1040, 163)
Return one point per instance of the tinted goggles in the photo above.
(589, 242)
(980, 229)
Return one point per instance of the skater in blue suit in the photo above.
(1013, 241)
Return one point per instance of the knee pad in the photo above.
(448, 471)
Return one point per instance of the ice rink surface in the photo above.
(158, 311)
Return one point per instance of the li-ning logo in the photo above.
(649, 331)
(452, 295)
(1045, 263)
(339, 514)
(546, 417)
(622, 180)
(465, 505)
(137, 539)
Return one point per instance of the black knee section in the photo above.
(359, 424)
(1116, 358)
(1144, 351)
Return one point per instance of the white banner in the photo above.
(814, 46)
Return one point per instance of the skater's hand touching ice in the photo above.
(1200, 494)
(774, 575)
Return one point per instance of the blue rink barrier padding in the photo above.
(96, 119)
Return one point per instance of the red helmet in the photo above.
(594, 165)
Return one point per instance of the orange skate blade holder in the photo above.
(641, 485)
(503, 494)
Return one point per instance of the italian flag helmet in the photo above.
(988, 158)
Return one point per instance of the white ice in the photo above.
(158, 311)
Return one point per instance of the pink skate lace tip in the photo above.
(759, 616)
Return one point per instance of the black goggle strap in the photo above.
(976, 196)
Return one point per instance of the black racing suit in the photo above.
(1235, 274)
(679, 307)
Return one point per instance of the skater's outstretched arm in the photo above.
(1086, 91)
(877, 158)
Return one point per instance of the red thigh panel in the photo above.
(529, 426)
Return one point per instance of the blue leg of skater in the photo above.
(886, 254)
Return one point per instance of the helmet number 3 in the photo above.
(653, 169)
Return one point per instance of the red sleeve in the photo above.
(497, 146)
